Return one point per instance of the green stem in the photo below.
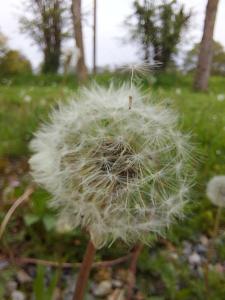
(211, 250)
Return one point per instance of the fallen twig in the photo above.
(35, 261)
(12, 209)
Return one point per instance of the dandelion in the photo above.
(118, 172)
(216, 194)
(216, 190)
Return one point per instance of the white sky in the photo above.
(111, 15)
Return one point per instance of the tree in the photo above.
(205, 54)
(159, 29)
(3, 44)
(14, 63)
(47, 25)
(218, 59)
(78, 33)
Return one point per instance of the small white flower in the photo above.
(220, 97)
(117, 172)
(216, 190)
(27, 98)
(218, 152)
(178, 91)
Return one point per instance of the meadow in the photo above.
(173, 267)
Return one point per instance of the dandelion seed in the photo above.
(137, 68)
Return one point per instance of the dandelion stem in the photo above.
(214, 234)
(99, 264)
(211, 249)
(217, 222)
(84, 272)
(133, 269)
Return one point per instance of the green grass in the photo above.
(22, 109)
(25, 103)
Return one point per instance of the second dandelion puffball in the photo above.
(117, 172)
(216, 190)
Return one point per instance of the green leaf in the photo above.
(30, 219)
(39, 283)
(39, 202)
(49, 222)
(41, 290)
(52, 286)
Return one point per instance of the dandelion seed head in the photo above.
(216, 190)
(116, 172)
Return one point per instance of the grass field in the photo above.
(165, 272)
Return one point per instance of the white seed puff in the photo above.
(117, 172)
(216, 190)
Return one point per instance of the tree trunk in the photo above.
(94, 35)
(57, 30)
(206, 47)
(77, 23)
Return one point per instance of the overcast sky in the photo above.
(111, 14)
